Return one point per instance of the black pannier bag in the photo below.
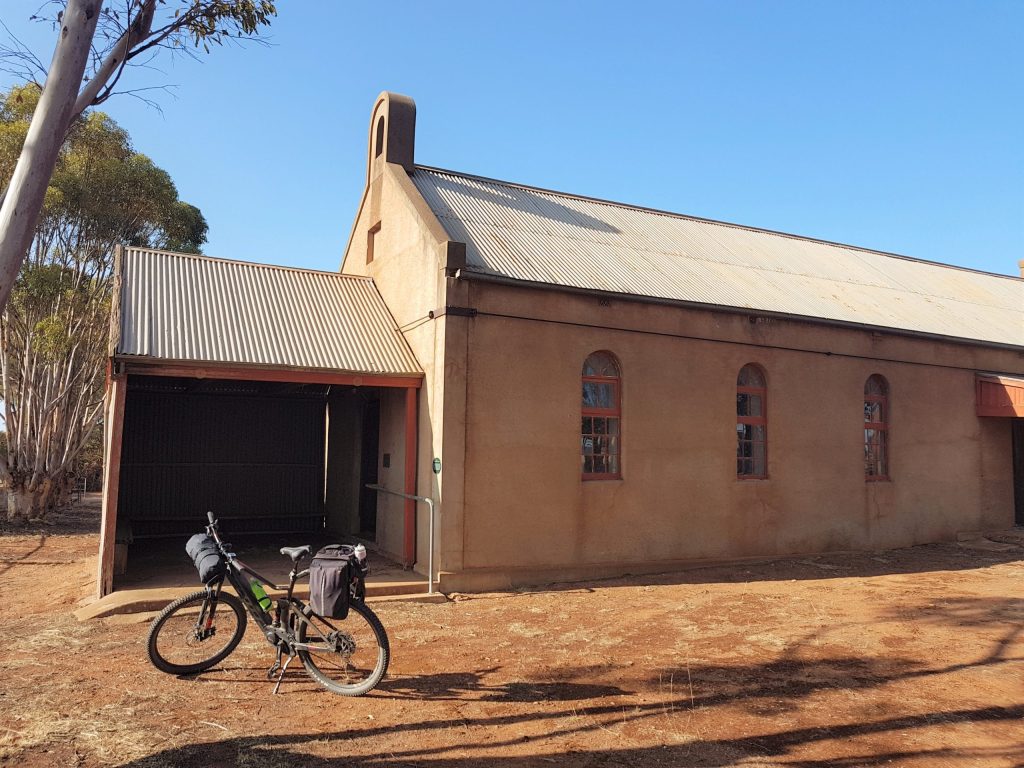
(207, 558)
(330, 577)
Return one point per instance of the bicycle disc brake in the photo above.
(342, 642)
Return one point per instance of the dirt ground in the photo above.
(908, 658)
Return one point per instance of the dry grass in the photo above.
(801, 665)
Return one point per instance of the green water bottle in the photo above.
(260, 594)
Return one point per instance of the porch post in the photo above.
(411, 426)
(111, 481)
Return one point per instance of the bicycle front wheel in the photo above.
(196, 632)
(348, 656)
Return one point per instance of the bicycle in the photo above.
(198, 631)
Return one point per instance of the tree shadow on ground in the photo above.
(471, 686)
(768, 689)
(287, 750)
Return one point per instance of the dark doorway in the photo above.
(368, 469)
(1018, 471)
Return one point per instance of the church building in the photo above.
(581, 388)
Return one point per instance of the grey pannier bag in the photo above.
(330, 579)
(206, 556)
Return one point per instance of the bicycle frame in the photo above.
(279, 630)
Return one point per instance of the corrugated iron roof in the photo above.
(195, 308)
(536, 235)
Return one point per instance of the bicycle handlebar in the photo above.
(211, 529)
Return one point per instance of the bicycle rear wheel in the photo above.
(195, 632)
(350, 656)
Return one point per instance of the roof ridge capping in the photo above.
(747, 227)
(262, 265)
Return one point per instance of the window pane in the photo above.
(742, 404)
(873, 412)
(875, 453)
(748, 404)
(750, 376)
(598, 395)
(600, 425)
(759, 464)
(751, 450)
(600, 364)
(875, 385)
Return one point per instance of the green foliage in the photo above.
(89, 463)
(102, 192)
(215, 21)
(54, 329)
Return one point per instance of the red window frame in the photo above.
(876, 432)
(750, 457)
(601, 427)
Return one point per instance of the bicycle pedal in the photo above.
(273, 671)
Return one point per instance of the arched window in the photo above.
(751, 423)
(876, 428)
(601, 433)
(380, 137)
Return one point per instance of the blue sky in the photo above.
(896, 126)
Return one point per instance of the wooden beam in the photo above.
(288, 375)
(111, 481)
(999, 396)
(410, 476)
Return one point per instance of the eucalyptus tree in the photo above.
(54, 329)
(96, 42)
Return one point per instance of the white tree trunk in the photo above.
(24, 198)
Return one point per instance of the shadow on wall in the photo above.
(773, 689)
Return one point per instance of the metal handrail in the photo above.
(430, 545)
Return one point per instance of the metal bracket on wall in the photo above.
(451, 309)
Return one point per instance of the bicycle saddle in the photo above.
(295, 552)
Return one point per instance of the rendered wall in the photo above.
(391, 509)
(409, 269)
(529, 516)
(500, 406)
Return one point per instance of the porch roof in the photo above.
(193, 310)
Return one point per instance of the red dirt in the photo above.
(908, 658)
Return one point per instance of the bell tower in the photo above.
(392, 136)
